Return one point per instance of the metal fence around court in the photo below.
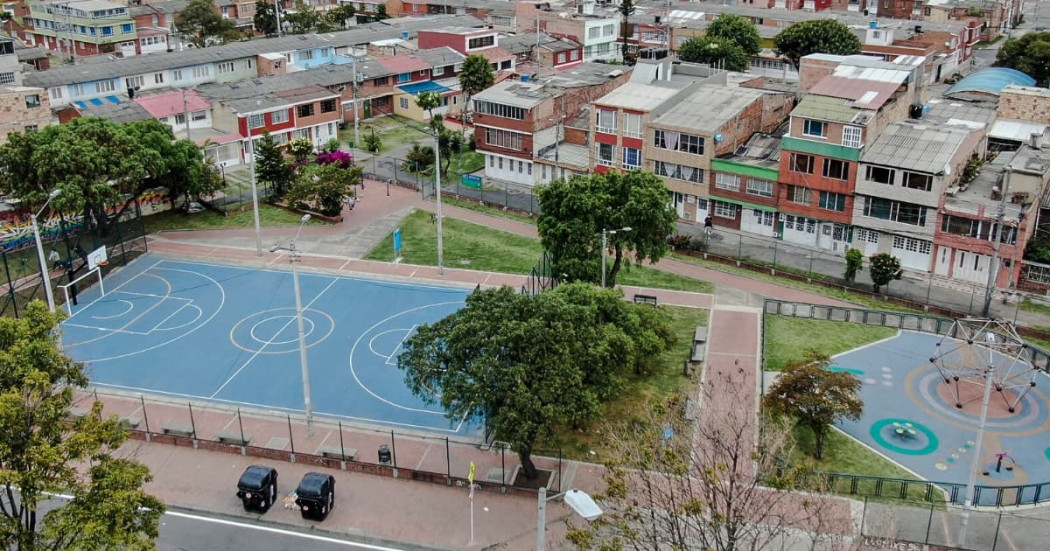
(506, 195)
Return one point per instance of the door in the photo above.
(368, 110)
(944, 261)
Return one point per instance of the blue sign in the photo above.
(397, 242)
(472, 181)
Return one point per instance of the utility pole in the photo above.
(993, 269)
(437, 189)
(277, 14)
(357, 126)
(186, 113)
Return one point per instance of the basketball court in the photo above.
(913, 417)
(228, 334)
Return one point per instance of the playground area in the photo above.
(226, 334)
(930, 426)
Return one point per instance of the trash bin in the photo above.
(384, 454)
(351, 144)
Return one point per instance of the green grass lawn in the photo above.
(210, 220)
(491, 211)
(787, 338)
(476, 247)
(641, 396)
(1028, 305)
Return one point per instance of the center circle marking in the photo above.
(288, 322)
(878, 427)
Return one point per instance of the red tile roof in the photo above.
(867, 94)
(403, 63)
(496, 54)
(171, 103)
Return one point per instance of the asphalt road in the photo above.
(189, 532)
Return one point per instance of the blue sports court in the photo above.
(229, 334)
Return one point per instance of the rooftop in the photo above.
(915, 145)
(173, 103)
(403, 63)
(761, 150)
(832, 109)
(977, 195)
(516, 94)
(856, 21)
(117, 112)
(708, 108)
(138, 65)
(944, 110)
(440, 57)
(638, 96)
(264, 94)
(1015, 130)
(990, 80)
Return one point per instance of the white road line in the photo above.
(283, 532)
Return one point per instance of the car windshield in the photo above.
(253, 477)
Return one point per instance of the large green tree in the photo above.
(883, 268)
(739, 30)
(626, 10)
(203, 25)
(339, 16)
(270, 165)
(807, 391)
(525, 364)
(718, 52)
(323, 186)
(817, 36)
(304, 18)
(265, 18)
(477, 75)
(43, 453)
(574, 213)
(1029, 54)
(101, 167)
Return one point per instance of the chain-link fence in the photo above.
(66, 245)
(402, 172)
(236, 193)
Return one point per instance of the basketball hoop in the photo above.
(102, 263)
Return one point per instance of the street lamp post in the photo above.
(44, 273)
(303, 364)
(578, 500)
(605, 245)
(255, 190)
(437, 190)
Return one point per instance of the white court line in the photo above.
(271, 407)
(194, 320)
(133, 278)
(398, 347)
(97, 328)
(171, 315)
(275, 335)
(131, 306)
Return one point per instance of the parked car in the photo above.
(315, 495)
(257, 488)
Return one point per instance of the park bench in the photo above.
(234, 438)
(699, 344)
(646, 299)
(178, 429)
(334, 452)
(131, 421)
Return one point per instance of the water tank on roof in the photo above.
(404, 35)
(873, 24)
(524, 78)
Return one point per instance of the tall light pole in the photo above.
(993, 268)
(975, 465)
(580, 502)
(303, 364)
(255, 190)
(45, 275)
(605, 246)
(437, 189)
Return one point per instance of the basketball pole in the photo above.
(968, 500)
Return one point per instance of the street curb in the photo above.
(258, 520)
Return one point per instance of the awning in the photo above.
(95, 101)
(113, 99)
(80, 104)
(426, 86)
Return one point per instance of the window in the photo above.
(605, 154)
(77, 90)
(519, 167)
(255, 121)
(880, 175)
(279, 117)
(675, 141)
(725, 210)
(832, 201)
(56, 93)
(225, 67)
(913, 180)
(481, 42)
(134, 82)
(609, 30)
(632, 125)
(126, 28)
(158, 78)
(503, 138)
(437, 71)
(574, 55)
(561, 57)
(180, 118)
(103, 86)
(33, 100)
(867, 236)
(528, 168)
(814, 128)
(800, 195)
(30, 128)
(967, 227)
(851, 136)
(306, 55)
(632, 158)
(492, 161)
(201, 71)
(730, 182)
(834, 168)
(894, 211)
(594, 32)
(305, 110)
(404, 77)
(328, 106)
(404, 103)
(680, 172)
(501, 163)
(381, 81)
(801, 163)
(176, 75)
(499, 110)
(199, 115)
(762, 188)
(605, 121)
(912, 245)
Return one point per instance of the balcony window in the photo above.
(605, 154)
(632, 158)
(880, 175)
(832, 201)
(606, 121)
(814, 128)
(800, 195)
(801, 163)
(728, 182)
(280, 117)
(836, 169)
(632, 125)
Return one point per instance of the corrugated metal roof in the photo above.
(912, 145)
(516, 94)
(634, 95)
(1006, 129)
(991, 80)
(440, 57)
(708, 108)
(403, 63)
(867, 94)
(827, 108)
(117, 112)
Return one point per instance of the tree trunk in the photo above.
(618, 260)
(525, 456)
(818, 433)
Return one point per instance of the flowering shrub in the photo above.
(342, 158)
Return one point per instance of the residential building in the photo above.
(497, 15)
(10, 65)
(81, 27)
(412, 76)
(597, 33)
(23, 109)
(511, 117)
(747, 182)
(182, 110)
(469, 41)
(543, 50)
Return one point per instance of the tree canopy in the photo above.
(41, 452)
(477, 75)
(573, 215)
(715, 51)
(816, 397)
(101, 167)
(525, 364)
(202, 24)
(818, 36)
(1029, 54)
(265, 18)
(270, 165)
(883, 268)
(626, 10)
(738, 29)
